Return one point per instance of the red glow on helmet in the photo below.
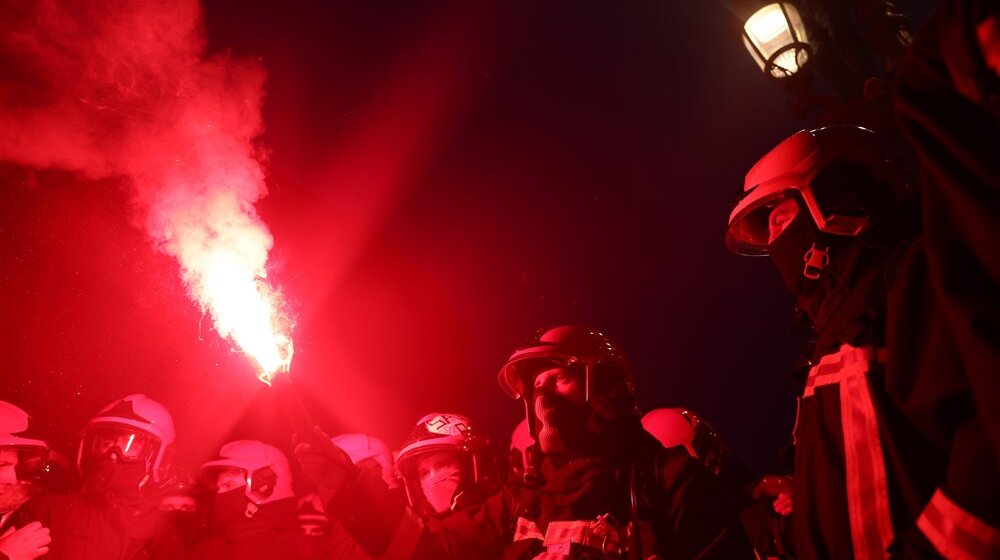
(268, 475)
(791, 169)
(149, 424)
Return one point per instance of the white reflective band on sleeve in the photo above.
(956, 533)
(407, 535)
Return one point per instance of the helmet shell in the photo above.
(139, 412)
(518, 456)
(682, 427)
(16, 427)
(269, 477)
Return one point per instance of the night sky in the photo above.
(445, 178)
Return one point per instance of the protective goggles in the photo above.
(258, 485)
(123, 443)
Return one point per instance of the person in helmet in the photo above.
(372, 456)
(604, 487)
(891, 452)
(182, 501)
(23, 457)
(520, 451)
(252, 513)
(446, 465)
(125, 455)
(766, 527)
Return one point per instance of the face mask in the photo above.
(12, 496)
(185, 521)
(440, 488)
(114, 478)
(789, 254)
(229, 507)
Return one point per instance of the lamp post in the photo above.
(777, 39)
(834, 58)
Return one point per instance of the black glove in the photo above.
(324, 463)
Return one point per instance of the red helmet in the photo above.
(681, 427)
(448, 433)
(28, 453)
(602, 367)
(264, 468)
(521, 446)
(843, 176)
(135, 428)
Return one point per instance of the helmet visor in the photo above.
(517, 377)
(223, 479)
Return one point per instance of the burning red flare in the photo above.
(146, 103)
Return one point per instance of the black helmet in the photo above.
(601, 365)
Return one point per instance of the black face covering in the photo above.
(228, 508)
(789, 250)
(571, 421)
(115, 479)
(185, 521)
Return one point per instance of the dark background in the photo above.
(446, 177)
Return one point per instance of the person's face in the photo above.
(555, 388)
(781, 217)
(230, 479)
(8, 464)
(562, 382)
(440, 474)
(178, 502)
(434, 465)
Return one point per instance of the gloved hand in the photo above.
(323, 462)
(778, 487)
(27, 543)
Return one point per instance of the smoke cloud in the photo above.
(125, 88)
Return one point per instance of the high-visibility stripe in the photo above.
(864, 461)
(956, 533)
(526, 529)
(847, 362)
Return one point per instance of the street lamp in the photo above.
(777, 39)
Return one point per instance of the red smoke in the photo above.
(126, 89)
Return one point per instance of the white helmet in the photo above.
(363, 447)
(682, 427)
(265, 469)
(133, 428)
(453, 434)
(16, 437)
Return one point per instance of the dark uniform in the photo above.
(621, 496)
(88, 526)
(272, 532)
(572, 510)
(893, 436)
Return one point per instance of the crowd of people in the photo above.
(585, 472)
(895, 442)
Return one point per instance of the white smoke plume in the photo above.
(125, 88)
